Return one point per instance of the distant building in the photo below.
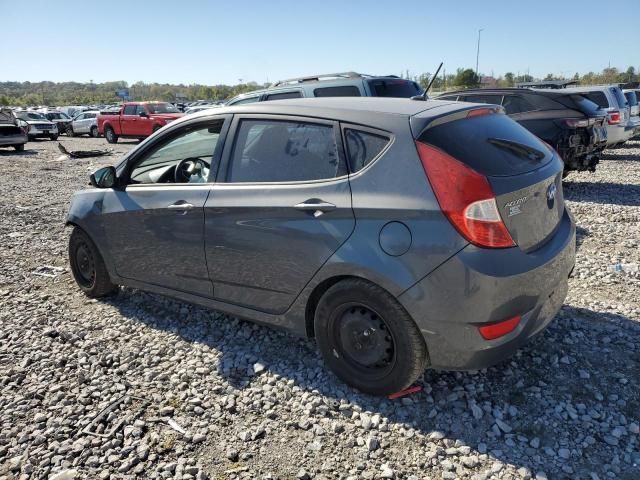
(488, 82)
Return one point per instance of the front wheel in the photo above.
(110, 135)
(368, 339)
(94, 132)
(53, 137)
(87, 266)
(69, 131)
(19, 148)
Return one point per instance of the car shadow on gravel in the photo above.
(13, 153)
(602, 192)
(541, 409)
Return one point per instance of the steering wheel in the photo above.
(192, 170)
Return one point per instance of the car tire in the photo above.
(19, 148)
(94, 132)
(368, 339)
(53, 137)
(110, 135)
(87, 266)
(30, 138)
(69, 131)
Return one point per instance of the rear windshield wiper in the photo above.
(518, 148)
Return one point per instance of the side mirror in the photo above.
(143, 114)
(104, 177)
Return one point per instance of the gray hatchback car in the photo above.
(401, 234)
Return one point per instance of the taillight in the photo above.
(481, 112)
(613, 118)
(500, 329)
(575, 123)
(465, 197)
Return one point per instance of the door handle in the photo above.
(315, 205)
(181, 205)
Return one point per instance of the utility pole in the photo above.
(478, 51)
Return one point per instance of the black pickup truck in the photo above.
(570, 123)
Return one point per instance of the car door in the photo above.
(77, 124)
(154, 225)
(281, 208)
(129, 121)
(144, 125)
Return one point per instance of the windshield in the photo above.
(161, 108)
(394, 88)
(30, 116)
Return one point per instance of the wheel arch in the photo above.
(320, 289)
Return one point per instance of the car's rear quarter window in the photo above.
(341, 91)
(363, 147)
(394, 88)
(492, 144)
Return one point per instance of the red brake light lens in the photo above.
(500, 329)
(465, 197)
(613, 118)
(481, 112)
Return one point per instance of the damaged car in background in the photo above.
(13, 131)
(572, 124)
(39, 126)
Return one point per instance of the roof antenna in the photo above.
(426, 90)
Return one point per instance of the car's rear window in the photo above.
(579, 102)
(283, 95)
(394, 88)
(598, 98)
(632, 98)
(492, 144)
(622, 100)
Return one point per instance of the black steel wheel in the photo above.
(88, 267)
(368, 339)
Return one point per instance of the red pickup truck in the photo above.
(136, 120)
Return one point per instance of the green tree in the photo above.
(509, 79)
(466, 78)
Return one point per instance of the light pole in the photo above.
(478, 51)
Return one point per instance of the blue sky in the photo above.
(212, 42)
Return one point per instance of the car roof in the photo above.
(553, 92)
(335, 107)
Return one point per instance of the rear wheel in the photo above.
(368, 339)
(110, 135)
(88, 267)
(94, 132)
(19, 148)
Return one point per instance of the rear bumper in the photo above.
(479, 286)
(617, 134)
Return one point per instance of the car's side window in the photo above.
(80, 117)
(129, 110)
(363, 148)
(184, 158)
(284, 151)
(342, 91)
(140, 109)
(516, 104)
(283, 95)
(246, 100)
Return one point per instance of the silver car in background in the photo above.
(632, 96)
(39, 126)
(85, 123)
(611, 100)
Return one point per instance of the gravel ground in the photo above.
(208, 396)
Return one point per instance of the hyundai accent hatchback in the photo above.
(401, 234)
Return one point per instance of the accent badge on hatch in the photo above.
(551, 195)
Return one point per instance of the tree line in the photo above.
(77, 93)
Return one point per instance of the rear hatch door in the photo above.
(524, 173)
